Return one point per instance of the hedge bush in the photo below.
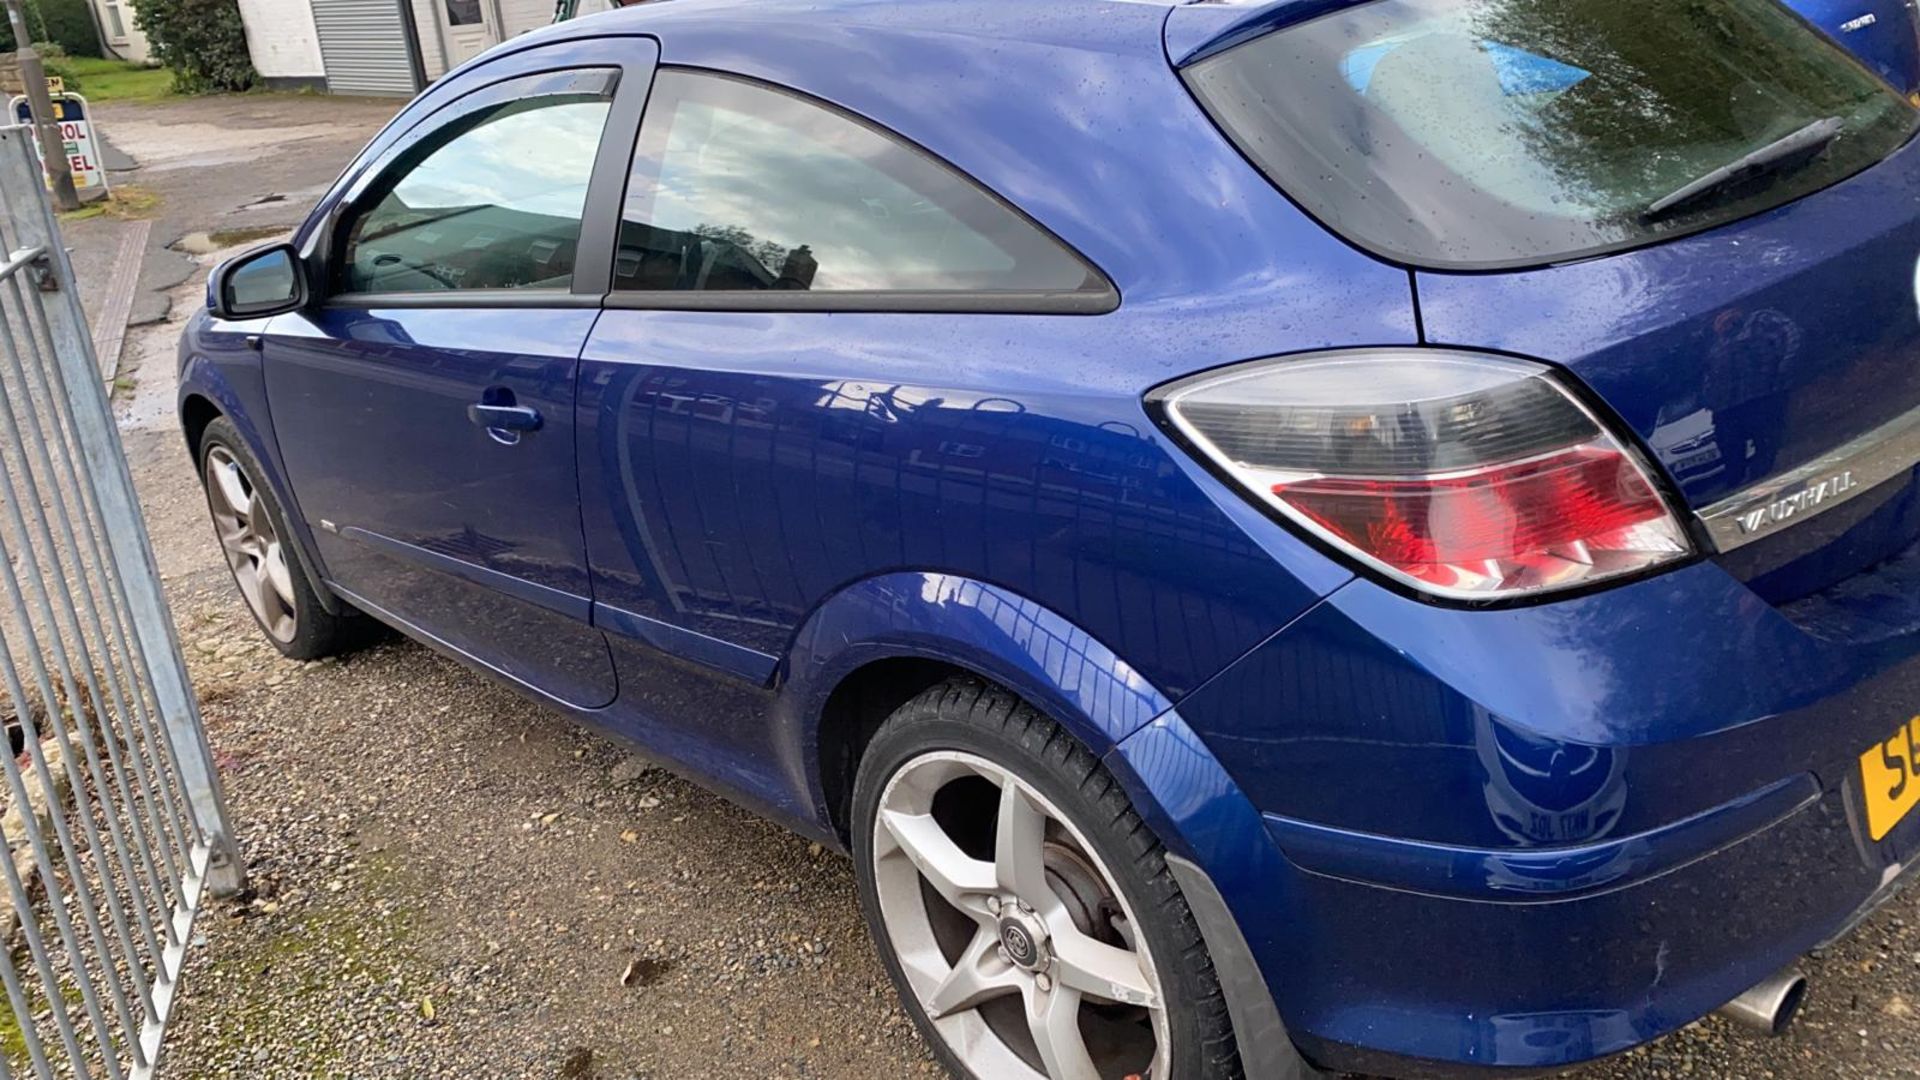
(203, 41)
(53, 57)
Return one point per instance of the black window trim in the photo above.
(463, 298)
(606, 185)
(856, 302)
(1097, 297)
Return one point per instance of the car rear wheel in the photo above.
(1024, 911)
(265, 563)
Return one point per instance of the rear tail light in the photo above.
(1461, 475)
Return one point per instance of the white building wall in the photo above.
(433, 54)
(519, 16)
(281, 36)
(131, 44)
(513, 17)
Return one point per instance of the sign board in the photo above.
(76, 130)
(56, 85)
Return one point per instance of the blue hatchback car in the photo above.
(1372, 536)
(1884, 33)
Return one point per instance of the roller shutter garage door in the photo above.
(365, 47)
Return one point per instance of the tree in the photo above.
(203, 41)
(59, 22)
(766, 252)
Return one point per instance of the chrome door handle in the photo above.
(504, 417)
(505, 424)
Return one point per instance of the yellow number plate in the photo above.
(1890, 779)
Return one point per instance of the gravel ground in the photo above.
(450, 881)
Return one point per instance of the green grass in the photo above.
(118, 80)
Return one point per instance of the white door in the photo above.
(468, 26)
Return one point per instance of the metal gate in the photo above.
(113, 826)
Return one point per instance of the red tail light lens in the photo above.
(1462, 475)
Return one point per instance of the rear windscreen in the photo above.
(1494, 133)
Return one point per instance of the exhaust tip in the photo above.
(1769, 1007)
(1790, 1003)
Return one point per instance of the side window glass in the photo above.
(494, 201)
(737, 186)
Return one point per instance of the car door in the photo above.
(802, 379)
(424, 407)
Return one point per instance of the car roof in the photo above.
(1012, 20)
(1200, 28)
(1066, 109)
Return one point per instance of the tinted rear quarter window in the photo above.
(739, 187)
(1496, 133)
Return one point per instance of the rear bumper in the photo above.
(1430, 986)
(1538, 875)
(1458, 841)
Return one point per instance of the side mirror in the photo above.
(270, 281)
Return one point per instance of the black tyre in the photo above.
(277, 585)
(1023, 909)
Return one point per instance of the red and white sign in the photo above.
(76, 132)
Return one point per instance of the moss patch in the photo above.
(126, 202)
(301, 963)
(13, 1041)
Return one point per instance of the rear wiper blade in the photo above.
(1792, 151)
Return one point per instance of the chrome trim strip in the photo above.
(1816, 487)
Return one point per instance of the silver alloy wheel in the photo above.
(252, 545)
(1022, 929)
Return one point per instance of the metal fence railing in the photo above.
(113, 823)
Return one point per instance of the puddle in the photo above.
(206, 243)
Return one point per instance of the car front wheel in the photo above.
(1024, 911)
(266, 565)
